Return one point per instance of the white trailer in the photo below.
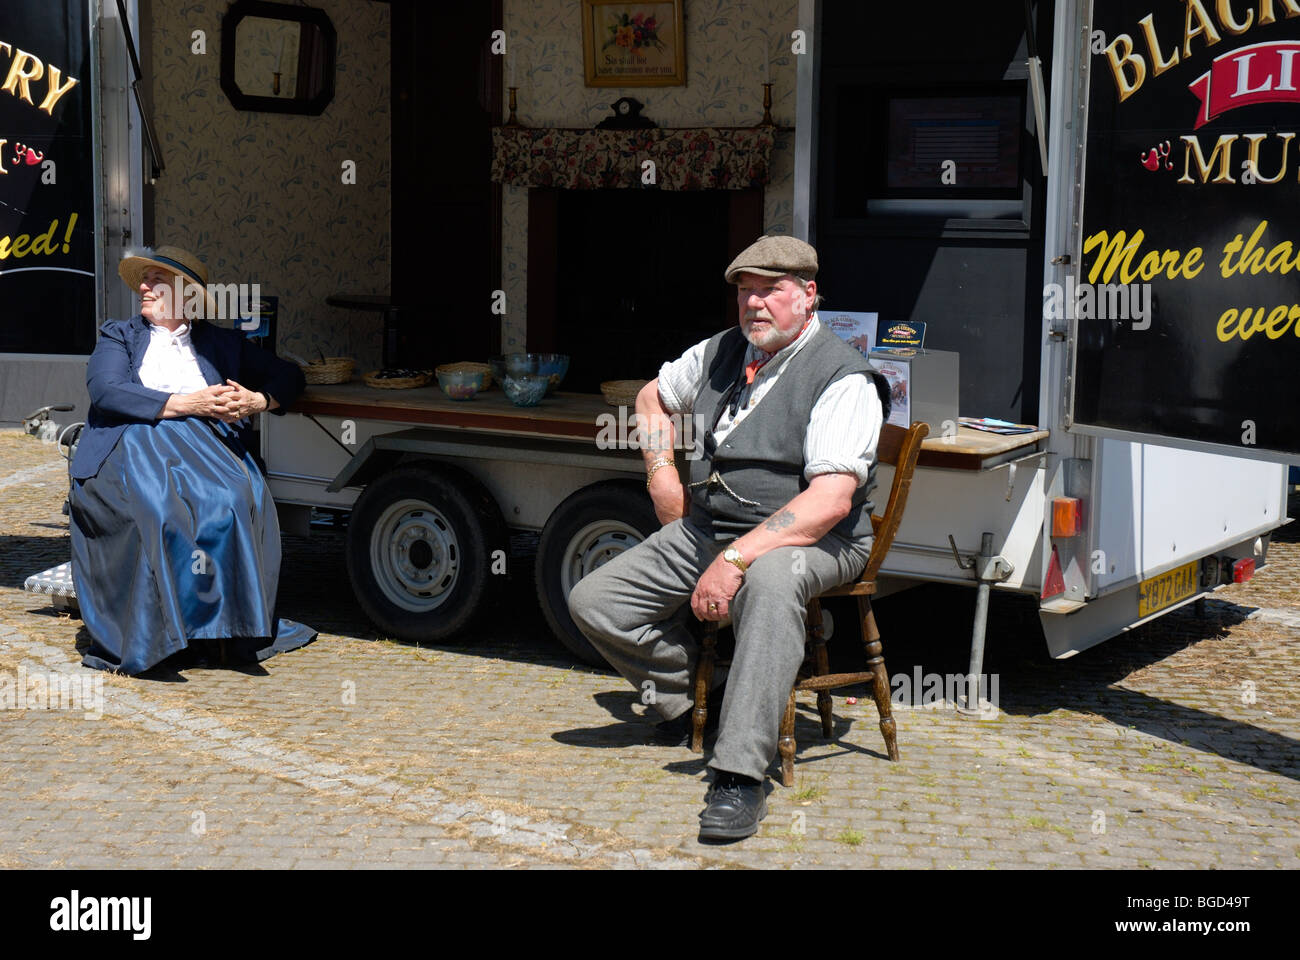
(433, 486)
(1145, 527)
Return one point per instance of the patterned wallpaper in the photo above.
(727, 42)
(260, 196)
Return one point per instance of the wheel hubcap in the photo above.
(594, 546)
(415, 555)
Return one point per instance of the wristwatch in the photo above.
(734, 556)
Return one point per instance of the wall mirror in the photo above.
(277, 58)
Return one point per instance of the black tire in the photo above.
(585, 531)
(420, 545)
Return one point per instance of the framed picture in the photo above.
(633, 44)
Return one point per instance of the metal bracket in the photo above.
(991, 568)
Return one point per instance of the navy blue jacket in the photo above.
(118, 398)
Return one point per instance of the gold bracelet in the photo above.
(656, 466)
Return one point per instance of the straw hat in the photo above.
(175, 260)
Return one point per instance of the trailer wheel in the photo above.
(419, 554)
(586, 531)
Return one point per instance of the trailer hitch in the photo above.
(989, 568)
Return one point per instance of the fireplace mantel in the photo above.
(694, 158)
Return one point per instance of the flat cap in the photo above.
(775, 257)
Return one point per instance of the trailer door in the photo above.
(1182, 302)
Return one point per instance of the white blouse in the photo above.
(169, 362)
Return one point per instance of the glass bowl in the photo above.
(525, 390)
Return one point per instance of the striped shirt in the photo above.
(842, 431)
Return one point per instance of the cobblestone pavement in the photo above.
(1152, 750)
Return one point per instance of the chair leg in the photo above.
(786, 744)
(703, 680)
(879, 678)
(821, 665)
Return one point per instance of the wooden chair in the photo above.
(897, 447)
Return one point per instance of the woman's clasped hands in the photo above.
(229, 401)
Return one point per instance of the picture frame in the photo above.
(626, 43)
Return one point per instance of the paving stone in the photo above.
(440, 739)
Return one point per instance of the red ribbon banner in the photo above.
(1259, 73)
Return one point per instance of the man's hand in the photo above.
(715, 590)
(669, 495)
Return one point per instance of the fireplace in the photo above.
(623, 280)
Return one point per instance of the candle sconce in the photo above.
(767, 120)
(277, 58)
(513, 120)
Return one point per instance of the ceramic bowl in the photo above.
(525, 390)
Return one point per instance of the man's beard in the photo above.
(769, 340)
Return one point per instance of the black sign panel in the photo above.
(47, 223)
(1188, 288)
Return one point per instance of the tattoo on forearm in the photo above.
(658, 440)
(780, 521)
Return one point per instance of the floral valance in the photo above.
(699, 158)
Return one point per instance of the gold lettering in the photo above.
(1149, 267)
(1158, 62)
(20, 245)
(1266, 15)
(41, 243)
(1193, 144)
(1295, 315)
(1192, 260)
(1114, 252)
(1279, 259)
(21, 78)
(55, 92)
(1117, 63)
(1252, 322)
(1206, 27)
(1224, 331)
(1224, 9)
(1255, 140)
(1251, 257)
(1271, 328)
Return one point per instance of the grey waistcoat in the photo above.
(761, 460)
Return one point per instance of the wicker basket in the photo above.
(622, 393)
(396, 383)
(331, 370)
(469, 366)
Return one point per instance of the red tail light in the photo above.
(1243, 569)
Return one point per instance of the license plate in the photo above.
(1167, 589)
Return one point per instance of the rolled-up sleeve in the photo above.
(844, 429)
(680, 380)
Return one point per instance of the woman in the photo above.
(175, 538)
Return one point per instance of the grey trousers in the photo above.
(635, 610)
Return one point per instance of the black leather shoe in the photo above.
(734, 810)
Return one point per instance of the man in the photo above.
(775, 513)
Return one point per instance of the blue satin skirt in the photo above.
(176, 539)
